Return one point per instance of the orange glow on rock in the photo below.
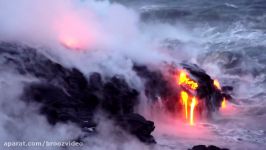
(73, 31)
(185, 80)
(193, 104)
(217, 84)
(71, 42)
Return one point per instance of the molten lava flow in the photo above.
(184, 97)
(217, 84)
(184, 80)
(187, 100)
(223, 103)
(193, 104)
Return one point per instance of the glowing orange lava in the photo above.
(184, 80)
(188, 98)
(223, 103)
(217, 84)
(184, 97)
(193, 104)
(187, 101)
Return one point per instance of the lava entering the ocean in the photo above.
(223, 105)
(193, 104)
(189, 98)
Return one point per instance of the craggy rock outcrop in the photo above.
(65, 94)
(207, 91)
(137, 125)
(164, 86)
(157, 86)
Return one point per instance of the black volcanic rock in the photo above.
(137, 125)
(155, 82)
(157, 86)
(119, 97)
(212, 147)
(203, 147)
(199, 147)
(58, 106)
(207, 91)
(66, 95)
